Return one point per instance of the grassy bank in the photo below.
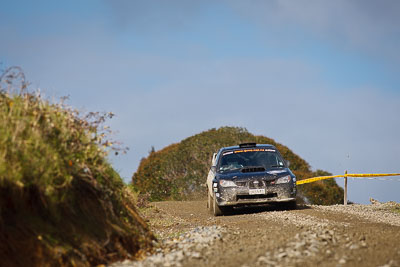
(61, 203)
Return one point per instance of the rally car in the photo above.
(249, 174)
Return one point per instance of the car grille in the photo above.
(256, 184)
(253, 185)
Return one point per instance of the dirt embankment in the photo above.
(353, 235)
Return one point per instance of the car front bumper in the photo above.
(234, 196)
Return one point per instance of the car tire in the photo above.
(216, 210)
(209, 200)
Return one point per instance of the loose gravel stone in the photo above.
(380, 212)
(305, 244)
(300, 220)
(188, 244)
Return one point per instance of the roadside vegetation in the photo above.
(179, 171)
(61, 202)
(396, 208)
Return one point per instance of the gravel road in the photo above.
(352, 235)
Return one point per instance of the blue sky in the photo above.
(321, 77)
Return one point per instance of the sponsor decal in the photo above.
(253, 150)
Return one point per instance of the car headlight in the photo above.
(227, 183)
(283, 180)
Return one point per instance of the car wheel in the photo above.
(215, 208)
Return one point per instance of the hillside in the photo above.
(61, 203)
(179, 171)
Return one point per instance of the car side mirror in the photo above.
(213, 168)
(287, 163)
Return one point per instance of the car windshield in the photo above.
(239, 159)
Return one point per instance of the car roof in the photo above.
(247, 147)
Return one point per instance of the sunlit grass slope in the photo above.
(61, 203)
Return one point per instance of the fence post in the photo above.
(345, 188)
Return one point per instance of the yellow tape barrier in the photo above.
(314, 179)
(372, 174)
